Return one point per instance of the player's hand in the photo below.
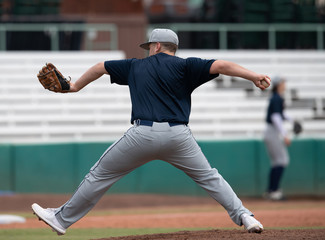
(287, 141)
(262, 81)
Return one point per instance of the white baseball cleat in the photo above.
(251, 224)
(276, 195)
(47, 215)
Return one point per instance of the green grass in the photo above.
(82, 234)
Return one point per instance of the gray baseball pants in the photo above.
(139, 145)
(276, 147)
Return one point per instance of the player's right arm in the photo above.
(278, 123)
(89, 76)
(235, 70)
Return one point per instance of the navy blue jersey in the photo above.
(276, 105)
(160, 85)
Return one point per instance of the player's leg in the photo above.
(275, 178)
(279, 159)
(185, 154)
(126, 154)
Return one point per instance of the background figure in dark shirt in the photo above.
(160, 88)
(276, 139)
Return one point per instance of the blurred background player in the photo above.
(276, 138)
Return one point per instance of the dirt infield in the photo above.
(230, 234)
(156, 211)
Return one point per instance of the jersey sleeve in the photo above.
(198, 71)
(118, 70)
(278, 123)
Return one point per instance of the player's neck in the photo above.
(166, 52)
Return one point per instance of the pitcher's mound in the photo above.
(230, 234)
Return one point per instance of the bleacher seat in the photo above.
(101, 111)
(28, 113)
(304, 72)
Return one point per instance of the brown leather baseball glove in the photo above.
(51, 79)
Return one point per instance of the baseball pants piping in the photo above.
(139, 145)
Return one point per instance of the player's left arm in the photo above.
(235, 70)
(89, 76)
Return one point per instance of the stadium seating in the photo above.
(243, 114)
(28, 113)
(222, 108)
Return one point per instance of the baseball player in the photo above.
(276, 139)
(160, 88)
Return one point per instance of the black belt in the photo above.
(150, 123)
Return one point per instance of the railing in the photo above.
(54, 29)
(223, 30)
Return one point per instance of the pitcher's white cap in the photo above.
(161, 35)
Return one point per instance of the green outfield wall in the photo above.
(59, 168)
